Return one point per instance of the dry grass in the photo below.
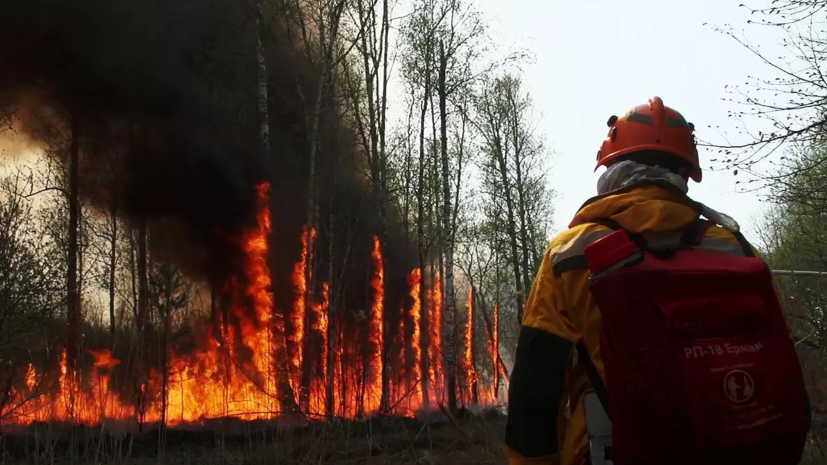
(473, 441)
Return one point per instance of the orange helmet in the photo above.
(651, 126)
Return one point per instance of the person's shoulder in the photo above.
(567, 250)
(722, 239)
(582, 232)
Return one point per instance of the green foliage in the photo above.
(795, 238)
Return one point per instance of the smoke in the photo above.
(164, 134)
(163, 95)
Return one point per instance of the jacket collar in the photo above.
(656, 197)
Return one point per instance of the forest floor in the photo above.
(475, 440)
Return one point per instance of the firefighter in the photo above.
(650, 154)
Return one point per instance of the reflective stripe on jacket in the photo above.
(546, 420)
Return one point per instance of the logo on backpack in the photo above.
(739, 386)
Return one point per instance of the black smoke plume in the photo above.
(164, 96)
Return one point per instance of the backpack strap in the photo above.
(579, 261)
(596, 381)
(748, 250)
(638, 239)
(607, 222)
(694, 234)
(691, 237)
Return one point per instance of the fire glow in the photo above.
(216, 381)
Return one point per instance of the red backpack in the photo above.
(699, 364)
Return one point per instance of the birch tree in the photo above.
(370, 103)
(514, 172)
(418, 37)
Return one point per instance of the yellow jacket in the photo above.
(546, 419)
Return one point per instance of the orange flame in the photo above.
(415, 283)
(377, 337)
(470, 370)
(495, 348)
(299, 313)
(241, 371)
(435, 332)
(320, 314)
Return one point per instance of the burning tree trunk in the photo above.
(447, 237)
(165, 312)
(435, 327)
(279, 352)
(301, 277)
(493, 329)
(495, 348)
(420, 240)
(374, 54)
(376, 390)
(330, 337)
(215, 321)
(329, 17)
(382, 193)
(470, 369)
(72, 291)
(417, 378)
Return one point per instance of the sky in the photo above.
(597, 58)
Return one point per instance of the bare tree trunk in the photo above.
(512, 235)
(143, 282)
(81, 248)
(284, 391)
(447, 237)
(331, 311)
(310, 263)
(214, 319)
(133, 274)
(381, 157)
(113, 255)
(72, 291)
(495, 342)
(523, 232)
(518, 143)
(494, 115)
(493, 329)
(327, 41)
(420, 239)
(143, 318)
(263, 101)
(167, 280)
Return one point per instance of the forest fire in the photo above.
(435, 359)
(468, 356)
(415, 377)
(245, 369)
(376, 331)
